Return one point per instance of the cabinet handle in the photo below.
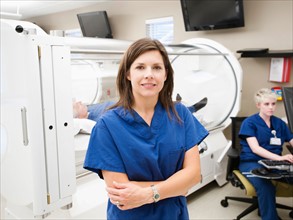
(24, 126)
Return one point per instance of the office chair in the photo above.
(237, 179)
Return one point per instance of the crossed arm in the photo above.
(132, 194)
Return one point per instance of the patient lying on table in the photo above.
(85, 116)
(94, 111)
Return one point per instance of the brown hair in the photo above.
(124, 87)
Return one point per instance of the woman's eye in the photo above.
(157, 68)
(139, 67)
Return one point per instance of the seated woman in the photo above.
(263, 136)
(95, 111)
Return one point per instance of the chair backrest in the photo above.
(235, 128)
(234, 151)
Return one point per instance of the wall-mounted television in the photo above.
(201, 15)
(95, 24)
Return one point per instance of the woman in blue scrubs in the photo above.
(145, 146)
(263, 136)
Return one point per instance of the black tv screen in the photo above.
(212, 14)
(287, 94)
(95, 24)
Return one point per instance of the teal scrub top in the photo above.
(122, 141)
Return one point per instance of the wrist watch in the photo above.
(156, 195)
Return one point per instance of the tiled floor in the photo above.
(206, 204)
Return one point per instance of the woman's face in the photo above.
(147, 75)
(267, 107)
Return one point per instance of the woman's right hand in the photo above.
(288, 157)
(128, 195)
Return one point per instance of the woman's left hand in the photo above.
(128, 195)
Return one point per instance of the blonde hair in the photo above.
(263, 94)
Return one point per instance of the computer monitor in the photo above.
(287, 94)
(95, 24)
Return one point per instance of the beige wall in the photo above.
(268, 23)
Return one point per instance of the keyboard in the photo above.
(277, 164)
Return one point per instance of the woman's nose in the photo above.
(149, 73)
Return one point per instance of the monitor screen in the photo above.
(95, 24)
(212, 14)
(287, 94)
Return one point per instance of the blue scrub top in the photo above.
(124, 142)
(255, 126)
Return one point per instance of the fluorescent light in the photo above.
(11, 14)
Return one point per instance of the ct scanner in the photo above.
(41, 158)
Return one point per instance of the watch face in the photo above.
(156, 195)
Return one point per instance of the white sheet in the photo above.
(82, 131)
(81, 142)
(80, 145)
(83, 125)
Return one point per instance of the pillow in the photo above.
(83, 126)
